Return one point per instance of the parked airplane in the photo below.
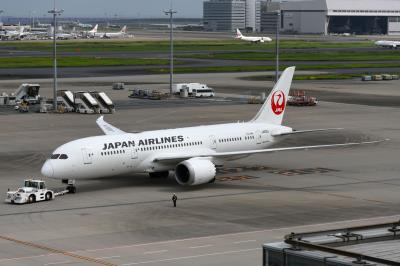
(388, 44)
(108, 35)
(15, 34)
(192, 152)
(240, 36)
(91, 33)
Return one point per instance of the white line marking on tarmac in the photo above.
(28, 257)
(191, 257)
(59, 262)
(217, 236)
(241, 233)
(104, 258)
(204, 246)
(156, 251)
(244, 241)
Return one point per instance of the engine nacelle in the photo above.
(195, 171)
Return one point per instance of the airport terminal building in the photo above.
(341, 16)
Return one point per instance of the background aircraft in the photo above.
(240, 36)
(108, 35)
(388, 44)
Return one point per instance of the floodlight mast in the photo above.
(55, 12)
(171, 13)
(278, 20)
(1, 12)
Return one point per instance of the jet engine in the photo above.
(195, 171)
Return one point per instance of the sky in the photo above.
(103, 8)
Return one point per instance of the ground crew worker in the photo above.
(174, 199)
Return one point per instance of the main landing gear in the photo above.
(71, 188)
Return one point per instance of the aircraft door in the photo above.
(87, 156)
(134, 153)
(265, 136)
(258, 137)
(213, 142)
(131, 163)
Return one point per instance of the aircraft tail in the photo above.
(238, 34)
(123, 30)
(274, 107)
(95, 28)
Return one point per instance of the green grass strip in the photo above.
(75, 61)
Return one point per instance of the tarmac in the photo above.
(130, 220)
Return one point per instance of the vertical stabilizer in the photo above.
(94, 30)
(238, 34)
(274, 107)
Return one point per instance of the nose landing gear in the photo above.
(70, 185)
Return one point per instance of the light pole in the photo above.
(55, 13)
(1, 12)
(278, 14)
(171, 13)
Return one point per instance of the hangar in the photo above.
(341, 16)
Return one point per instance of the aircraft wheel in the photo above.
(71, 189)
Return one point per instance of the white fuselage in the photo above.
(254, 39)
(110, 155)
(388, 44)
(108, 34)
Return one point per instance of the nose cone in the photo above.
(47, 169)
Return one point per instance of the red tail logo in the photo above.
(278, 102)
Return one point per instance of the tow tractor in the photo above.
(32, 191)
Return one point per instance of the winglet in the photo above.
(107, 128)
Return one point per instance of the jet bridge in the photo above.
(67, 100)
(106, 105)
(85, 103)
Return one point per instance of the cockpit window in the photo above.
(54, 156)
(63, 156)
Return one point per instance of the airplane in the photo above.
(240, 36)
(388, 44)
(109, 35)
(92, 33)
(15, 34)
(193, 153)
(65, 36)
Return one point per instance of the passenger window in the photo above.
(54, 156)
(63, 157)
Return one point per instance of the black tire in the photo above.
(32, 199)
(163, 174)
(71, 190)
(48, 196)
(212, 180)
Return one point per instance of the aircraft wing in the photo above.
(176, 157)
(305, 131)
(107, 128)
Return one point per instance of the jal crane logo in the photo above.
(278, 102)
